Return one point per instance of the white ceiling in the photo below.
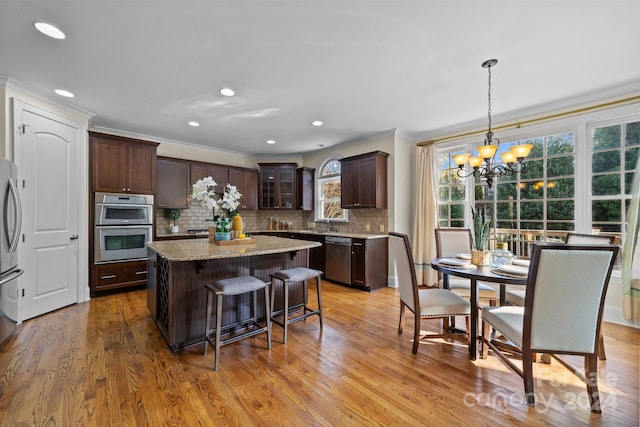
(362, 67)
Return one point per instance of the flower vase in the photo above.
(223, 229)
(480, 257)
(237, 226)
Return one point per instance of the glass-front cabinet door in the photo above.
(286, 178)
(277, 185)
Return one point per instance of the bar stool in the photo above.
(300, 274)
(230, 287)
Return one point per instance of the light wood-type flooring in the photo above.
(104, 363)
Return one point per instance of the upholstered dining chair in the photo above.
(590, 239)
(449, 243)
(547, 324)
(429, 303)
(517, 296)
(593, 239)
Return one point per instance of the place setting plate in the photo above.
(456, 263)
(518, 271)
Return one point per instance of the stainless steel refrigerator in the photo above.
(10, 224)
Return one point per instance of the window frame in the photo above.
(581, 125)
(591, 126)
(319, 180)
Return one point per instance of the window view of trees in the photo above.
(329, 192)
(541, 202)
(537, 204)
(451, 198)
(542, 197)
(614, 155)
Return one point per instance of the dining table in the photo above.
(476, 274)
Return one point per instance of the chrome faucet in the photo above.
(329, 227)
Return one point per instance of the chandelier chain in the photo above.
(489, 97)
(485, 165)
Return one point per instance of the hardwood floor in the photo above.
(104, 363)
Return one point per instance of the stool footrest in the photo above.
(307, 312)
(292, 309)
(258, 330)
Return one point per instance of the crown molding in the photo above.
(44, 97)
(610, 94)
(159, 140)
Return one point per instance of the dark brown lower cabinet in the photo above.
(112, 276)
(369, 263)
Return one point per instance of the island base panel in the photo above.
(181, 295)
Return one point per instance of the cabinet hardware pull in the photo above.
(110, 276)
(141, 272)
(74, 237)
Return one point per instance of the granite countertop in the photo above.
(201, 249)
(320, 233)
(330, 233)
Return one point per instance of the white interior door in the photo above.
(46, 152)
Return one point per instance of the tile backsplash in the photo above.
(359, 219)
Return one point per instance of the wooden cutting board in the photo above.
(234, 242)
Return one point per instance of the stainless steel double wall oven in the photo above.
(123, 224)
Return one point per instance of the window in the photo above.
(614, 154)
(451, 200)
(328, 185)
(579, 179)
(537, 204)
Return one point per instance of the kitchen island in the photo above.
(179, 269)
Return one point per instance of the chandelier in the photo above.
(484, 165)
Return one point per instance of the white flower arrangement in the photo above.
(203, 192)
(230, 200)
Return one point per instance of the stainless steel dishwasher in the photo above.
(338, 259)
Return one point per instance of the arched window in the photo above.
(328, 192)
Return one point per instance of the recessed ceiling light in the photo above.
(194, 124)
(317, 123)
(227, 91)
(64, 93)
(271, 141)
(49, 30)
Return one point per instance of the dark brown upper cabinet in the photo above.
(305, 189)
(219, 173)
(173, 183)
(363, 181)
(246, 181)
(276, 186)
(122, 165)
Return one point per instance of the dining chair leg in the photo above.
(591, 378)
(416, 333)
(467, 323)
(401, 323)
(484, 348)
(527, 376)
(601, 353)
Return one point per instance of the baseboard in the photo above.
(392, 281)
(614, 315)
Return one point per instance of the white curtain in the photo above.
(631, 256)
(425, 215)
